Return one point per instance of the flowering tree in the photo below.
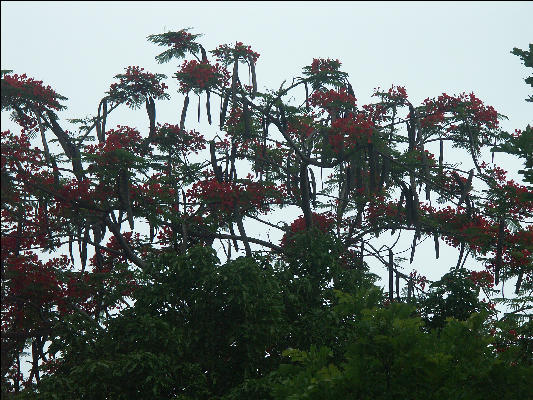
(131, 201)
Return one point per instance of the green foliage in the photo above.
(391, 357)
(452, 296)
(527, 59)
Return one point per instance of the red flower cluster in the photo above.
(333, 99)
(235, 117)
(181, 140)
(519, 253)
(475, 229)
(299, 128)
(181, 39)
(122, 138)
(136, 85)
(228, 55)
(350, 130)
(418, 280)
(464, 107)
(226, 197)
(149, 192)
(31, 89)
(201, 75)
(482, 278)
(323, 65)
(323, 222)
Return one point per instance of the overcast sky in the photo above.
(430, 48)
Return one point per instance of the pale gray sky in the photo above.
(430, 48)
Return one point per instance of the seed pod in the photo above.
(288, 168)
(55, 171)
(204, 55)
(372, 167)
(234, 79)
(414, 208)
(413, 247)
(400, 202)
(306, 97)
(409, 206)
(411, 127)
(198, 108)
(152, 233)
(216, 169)
(397, 286)
(436, 240)
(254, 78)
(246, 117)
(350, 89)
(98, 127)
(441, 153)
(83, 253)
(104, 117)
(282, 117)
(461, 253)
(184, 112)
(70, 242)
(312, 191)
(124, 195)
(385, 168)
(150, 109)
(97, 124)
(208, 106)
(224, 109)
(391, 276)
(519, 282)
(233, 155)
(499, 252)
(411, 136)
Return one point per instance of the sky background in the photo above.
(430, 48)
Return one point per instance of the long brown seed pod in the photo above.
(208, 106)
(461, 253)
(246, 116)
(519, 282)
(441, 155)
(204, 54)
(150, 109)
(184, 112)
(436, 240)
(124, 195)
(254, 77)
(391, 276)
(152, 231)
(499, 251)
(312, 190)
(216, 169)
(372, 167)
(397, 286)
(199, 110)
(224, 109)
(282, 117)
(306, 97)
(385, 169)
(83, 255)
(234, 79)
(413, 246)
(104, 118)
(98, 126)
